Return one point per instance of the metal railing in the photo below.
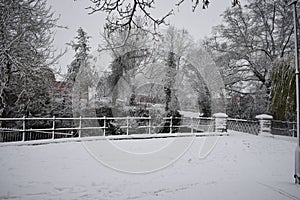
(27, 129)
(286, 128)
(278, 127)
(242, 125)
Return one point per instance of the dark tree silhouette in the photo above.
(25, 57)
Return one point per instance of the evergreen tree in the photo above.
(80, 73)
(169, 83)
(25, 57)
(81, 57)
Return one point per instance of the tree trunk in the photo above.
(170, 80)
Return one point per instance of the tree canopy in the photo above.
(25, 56)
(247, 46)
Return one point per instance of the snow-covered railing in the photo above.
(284, 128)
(278, 127)
(242, 125)
(25, 129)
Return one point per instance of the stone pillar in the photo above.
(265, 122)
(220, 122)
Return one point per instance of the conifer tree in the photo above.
(25, 58)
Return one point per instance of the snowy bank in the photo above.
(241, 166)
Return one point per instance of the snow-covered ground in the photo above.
(241, 166)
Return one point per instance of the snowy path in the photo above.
(241, 166)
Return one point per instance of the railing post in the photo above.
(149, 124)
(220, 122)
(24, 128)
(192, 125)
(104, 118)
(53, 127)
(294, 135)
(265, 122)
(171, 123)
(80, 126)
(127, 125)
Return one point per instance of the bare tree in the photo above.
(177, 41)
(122, 15)
(251, 40)
(175, 44)
(129, 59)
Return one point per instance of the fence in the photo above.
(26, 129)
(242, 125)
(284, 128)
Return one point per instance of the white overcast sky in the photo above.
(74, 15)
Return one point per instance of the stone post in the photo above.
(265, 122)
(220, 122)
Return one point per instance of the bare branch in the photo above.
(122, 13)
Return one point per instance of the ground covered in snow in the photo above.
(240, 166)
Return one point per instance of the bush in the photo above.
(176, 121)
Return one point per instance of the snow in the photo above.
(189, 114)
(240, 166)
(220, 115)
(264, 116)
